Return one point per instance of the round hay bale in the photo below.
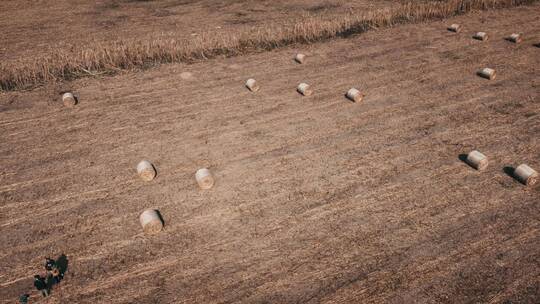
(526, 175)
(252, 85)
(481, 36)
(151, 221)
(146, 170)
(300, 58)
(456, 28)
(69, 99)
(487, 73)
(304, 89)
(515, 38)
(354, 95)
(204, 178)
(477, 160)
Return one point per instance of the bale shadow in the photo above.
(347, 98)
(509, 39)
(160, 217)
(155, 170)
(508, 170)
(463, 158)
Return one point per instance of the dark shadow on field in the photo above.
(353, 30)
(509, 171)
(49, 282)
(160, 217)
(322, 7)
(463, 158)
(62, 264)
(155, 170)
(347, 98)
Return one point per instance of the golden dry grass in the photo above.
(111, 57)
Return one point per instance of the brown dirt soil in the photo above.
(34, 27)
(317, 199)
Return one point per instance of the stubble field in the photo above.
(317, 199)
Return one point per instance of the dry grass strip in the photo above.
(112, 57)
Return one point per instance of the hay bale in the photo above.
(477, 160)
(526, 175)
(252, 85)
(69, 99)
(151, 221)
(481, 36)
(304, 89)
(515, 38)
(204, 178)
(146, 170)
(354, 95)
(487, 73)
(456, 28)
(300, 58)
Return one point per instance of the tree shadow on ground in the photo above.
(62, 264)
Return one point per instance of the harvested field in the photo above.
(116, 55)
(316, 200)
(29, 29)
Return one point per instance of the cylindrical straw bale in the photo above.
(204, 178)
(151, 221)
(455, 28)
(481, 36)
(304, 89)
(515, 38)
(354, 95)
(252, 85)
(69, 99)
(526, 175)
(300, 58)
(477, 160)
(487, 73)
(146, 170)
